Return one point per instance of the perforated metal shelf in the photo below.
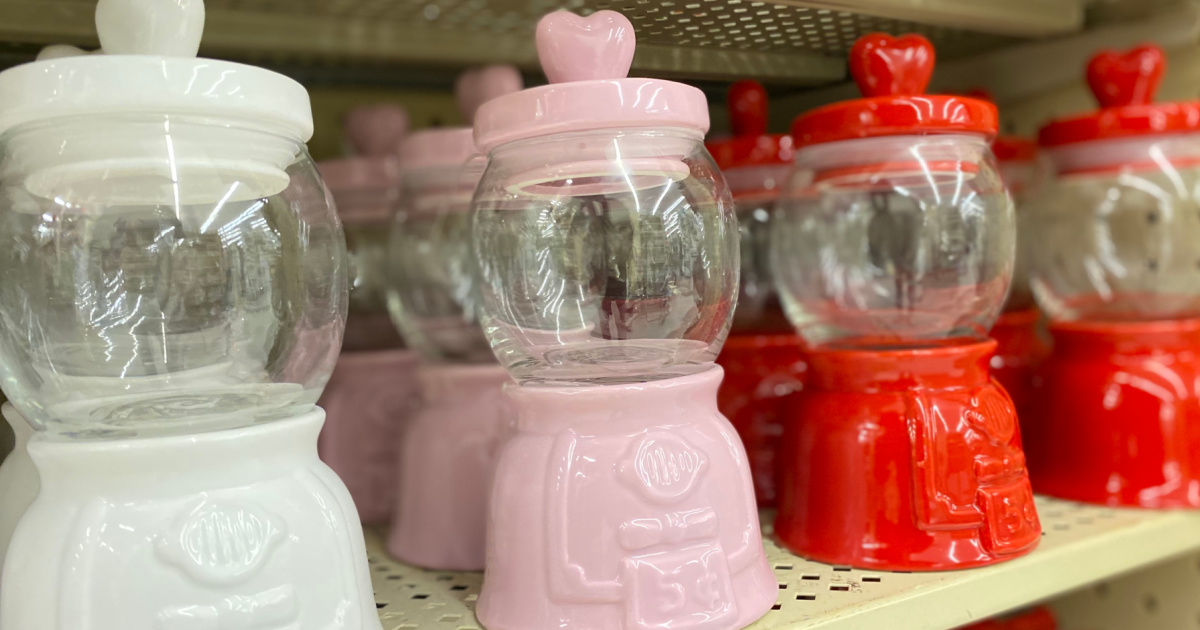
(789, 41)
(1081, 545)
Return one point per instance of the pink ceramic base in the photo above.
(624, 507)
(368, 401)
(446, 465)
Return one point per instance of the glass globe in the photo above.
(1117, 230)
(894, 242)
(755, 195)
(606, 256)
(1020, 178)
(432, 287)
(190, 277)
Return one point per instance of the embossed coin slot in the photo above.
(843, 588)
(808, 597)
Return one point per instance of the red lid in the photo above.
(1014, 149)
(892, 73)
(1124, 84)
(750, 145)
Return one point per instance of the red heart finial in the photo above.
(1130, 78)
(883, 65)
(748, 108)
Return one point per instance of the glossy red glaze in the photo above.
(750, 144)
(904, 460)
(1118, 415)
(1014, 149)
(1124, 85)
(1037, 619)
(762, 372)
(1020, 350)
(892, 73)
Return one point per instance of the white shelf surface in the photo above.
(1081, 545)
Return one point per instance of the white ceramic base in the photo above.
(242, 529)
(18, 479)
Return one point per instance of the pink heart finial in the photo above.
(376, 130)
(478, 86)
(575, 48)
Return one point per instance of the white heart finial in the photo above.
(574, 48)
(60, 51)
(166, 28)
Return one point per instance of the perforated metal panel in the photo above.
(1163, 597)
(1080, 545)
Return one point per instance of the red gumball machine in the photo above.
(1117, 271)
(893, 251)
(1020, 344)
(763, 357)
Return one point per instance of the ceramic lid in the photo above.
(1014, 149)
(375, 134)
(587, 61)
(892, 74)
(750, 145)
(1124, 85)
(452, 146)
(148, 64)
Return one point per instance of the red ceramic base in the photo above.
(1036, 619)
(905, 460)
(1020, 349)
(1118, 419)
(761, 373)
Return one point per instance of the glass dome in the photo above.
(1118, 230)
(164, 274)
(755, 195)
(894, 242)
(607, 256)
(366, 192)
(1020, 172)
(432, 288)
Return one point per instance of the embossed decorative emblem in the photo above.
(218, 542)
(664, 467)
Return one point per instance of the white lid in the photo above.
(147, 64)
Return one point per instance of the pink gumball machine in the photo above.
(373, 389)
(893, 251)
(450, 445)
(608, 253)
(1116, 271)
(763, 357)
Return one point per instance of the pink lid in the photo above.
(452, 146)
(587, 60)
(363, 184)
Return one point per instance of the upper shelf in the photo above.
(785, 41)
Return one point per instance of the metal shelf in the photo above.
(797, 42)
(1081, 545)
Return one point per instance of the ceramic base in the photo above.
(906, 460)
(1020, 350)
(624, 507)
(446, 465)
(368, 401)
(761, 373)
(242, 528)
(1119, 416)
(18, 478)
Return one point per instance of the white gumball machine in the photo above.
(174, 302)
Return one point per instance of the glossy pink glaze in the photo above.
(480, 85)
(367, 402)
(624, 507)
(376, 130)
(446, 464)
(586, 60)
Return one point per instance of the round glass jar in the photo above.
(164, 274)
(1020, 172)
(433, 292)
(606, 256)
(894, 242)
(1117, 230)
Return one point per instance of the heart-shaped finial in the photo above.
(748, 108)
(883, 65)
(575, 48)
(166, 28)
(476, 87)
(1131, 78)
(376, 130)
